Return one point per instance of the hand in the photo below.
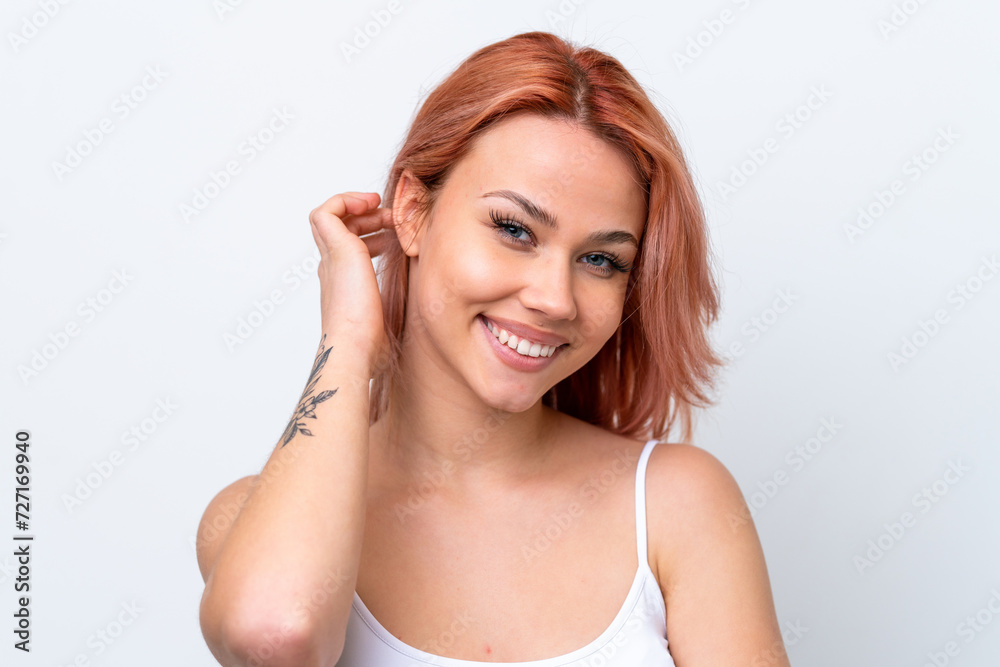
(350, 300)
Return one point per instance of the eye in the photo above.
(504, 226)
(614, 262)
(509, 227)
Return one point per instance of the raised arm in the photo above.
(280, 581)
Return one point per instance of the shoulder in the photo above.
(708, 560)
(693, 502)
(678, 471)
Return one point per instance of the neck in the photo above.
(438, 433)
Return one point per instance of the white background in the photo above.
(855, 299)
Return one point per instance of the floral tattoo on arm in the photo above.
(308, 402)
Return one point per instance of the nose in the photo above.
(548, 288)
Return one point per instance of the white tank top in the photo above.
(637, 637)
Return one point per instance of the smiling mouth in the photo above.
(522, 346)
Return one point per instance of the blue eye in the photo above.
(506, 227)
(505, 224)
(605, 258)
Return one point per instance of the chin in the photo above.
(513, 403)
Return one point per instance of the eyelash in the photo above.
(615, 262)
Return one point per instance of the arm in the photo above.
(217, 520)
(713, 576)
(280, 584)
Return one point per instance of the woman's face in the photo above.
(556, 282)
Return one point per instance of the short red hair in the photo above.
(659, 363)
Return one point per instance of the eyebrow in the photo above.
(549, 220)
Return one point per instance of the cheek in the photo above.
(602, 316)
(461, 269)
(473, 266)
(477, 263)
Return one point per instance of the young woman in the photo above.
(502, 492)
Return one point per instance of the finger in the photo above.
(320, 243)
(345, 203)
(338, 207)
(371, 199)
(369, 221)
(378, 242)
(367, 196)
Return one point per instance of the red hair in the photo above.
(659, 363)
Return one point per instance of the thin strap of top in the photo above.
(640, 500)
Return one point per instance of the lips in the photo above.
(524, 331)
(512, 358)
(523, 346)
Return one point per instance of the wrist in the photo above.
(347, 351)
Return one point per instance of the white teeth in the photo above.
(521, 345)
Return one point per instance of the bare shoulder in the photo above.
(709, 562)
(687, 486)
(217, 519)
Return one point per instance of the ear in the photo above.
(406, 213)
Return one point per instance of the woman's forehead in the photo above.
(553, 162)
